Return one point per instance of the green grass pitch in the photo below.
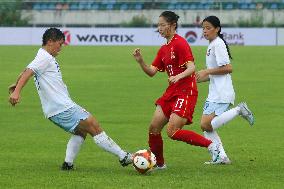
(109, 84)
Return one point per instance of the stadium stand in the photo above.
(140, 5)
(116, 13)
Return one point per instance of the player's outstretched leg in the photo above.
(175, 132)
(195, 139)
(240, 110)
(92, 127)
(128, 159)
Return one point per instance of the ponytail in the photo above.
(227, 46)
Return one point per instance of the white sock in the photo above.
(73, 147)
(225, 117)
(106, 143)
(214, 137)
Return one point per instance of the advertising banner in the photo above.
(280, 36)
(139, 36)
(234, 36)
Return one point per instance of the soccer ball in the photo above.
(144, 161)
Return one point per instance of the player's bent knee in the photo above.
(205, 126)
(91, 126)
(202, 126)
(92, 122)
(154, 129)
(81, 133)
(170, 134)
(171, 131)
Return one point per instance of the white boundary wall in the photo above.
(280, 36)
(141, 36)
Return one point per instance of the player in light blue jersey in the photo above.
(57, 105)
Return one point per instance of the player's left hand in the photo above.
(174, 79)
(201, 76)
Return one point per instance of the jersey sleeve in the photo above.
(39, 66)
(158, 62)
(222, 57)
(184, 53)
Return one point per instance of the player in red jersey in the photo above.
(176, 106)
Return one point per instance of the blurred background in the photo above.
(122, 22)
(107, 82)
(141, 13)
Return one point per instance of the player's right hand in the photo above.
(14, 98)
(137, 55)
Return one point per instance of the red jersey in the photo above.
(172, 58)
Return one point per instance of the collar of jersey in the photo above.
(45, 52)
(171, 39)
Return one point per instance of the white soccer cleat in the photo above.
(159, 168)
(214, 150)
(225, 161)
(220, 161)
(246, 113)
(128, 159)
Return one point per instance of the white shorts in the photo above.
(69, 119)
(214, 107)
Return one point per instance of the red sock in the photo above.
(192, 138)
(156, 146)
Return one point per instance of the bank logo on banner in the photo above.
(234, 38)
(191, 36)
(67, 37)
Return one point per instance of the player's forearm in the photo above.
(221, 70)
(19, 77)
(189, 70)
(203, 79)
(147, 69)
(23, 79)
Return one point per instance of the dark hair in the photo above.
(214, 20)
(170, 17)
(53, 34)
